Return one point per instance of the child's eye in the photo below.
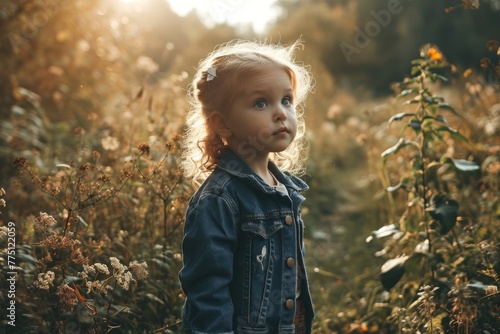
(286, 101)
(260, 104)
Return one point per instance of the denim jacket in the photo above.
(242, 244)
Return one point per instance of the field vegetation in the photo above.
(403, 211)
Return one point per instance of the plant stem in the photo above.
(423, 159)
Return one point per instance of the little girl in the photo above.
(244, 268)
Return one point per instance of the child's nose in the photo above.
(279, 113)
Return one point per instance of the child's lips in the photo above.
(281, 131)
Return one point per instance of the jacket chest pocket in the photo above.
(261, 242)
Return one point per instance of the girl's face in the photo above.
(262, 116)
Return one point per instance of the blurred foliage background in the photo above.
(91, 105)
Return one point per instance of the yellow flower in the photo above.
(434, 54)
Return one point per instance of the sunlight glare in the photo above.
(256, 13)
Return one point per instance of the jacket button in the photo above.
(290, 262)
(289, 304)
(288, 220)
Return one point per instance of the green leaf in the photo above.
(415, 70)
(72, 279)
(447, 129)
(394, 188)
(384, 231)
(152, 297)
(445, 211)
(17, 110)
(430, 100)
(23, 257)
(400, 116)
(416, 125)
(406, 92)
(414, 263)
(440, 77)
(161, 264)
(392, 271)
(477, 284)
(446, 106)
(399, 145)
(461, 164)
(441, 119)
(82, 221)
(465, 165)
(458, 136)
(422, 247)
(412, 101)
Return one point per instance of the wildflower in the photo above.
(45, 280)
(95, 286)
(115, 263)
(124, 280)
(87, 270)
(431, 52)
(139, 269)
(3, 231)
(491, 289)
(434, 54)
(2, 191)
(2, 202)
(102, 268)
(110, 143)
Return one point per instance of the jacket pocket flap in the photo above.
(264, 228)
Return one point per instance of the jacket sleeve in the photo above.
(209, 244)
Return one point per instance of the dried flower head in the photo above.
(43, 221)
(144, 149)
(139, 269)
(2, 201)
(124, 280)
(110, 143)
(491, 289)
(492, 45)
(115, 263)
(485, 62)
(67, 296)
(45, 280)
(97, 287)
(102, 268)
(3, 231)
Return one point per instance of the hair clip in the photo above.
(211, 74)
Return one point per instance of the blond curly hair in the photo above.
(202, 146)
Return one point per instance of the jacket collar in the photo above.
(233, 165)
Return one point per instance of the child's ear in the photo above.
(218, 123)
